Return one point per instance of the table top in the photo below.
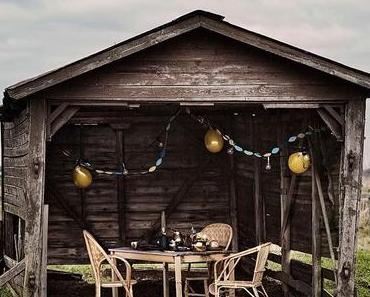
(169, 256)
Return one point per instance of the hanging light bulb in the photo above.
(268, 165)
(213, 141)
(299, 162)
(230, 150)
(81, 177)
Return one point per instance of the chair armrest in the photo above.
(115, 269)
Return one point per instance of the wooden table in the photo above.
(168, 257)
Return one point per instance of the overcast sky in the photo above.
(38, 35)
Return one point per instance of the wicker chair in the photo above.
(98, 257)
(224, 268)
(223, 234)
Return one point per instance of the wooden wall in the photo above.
(15, 170)
(145, 195)
(201, 65)
(262, 129)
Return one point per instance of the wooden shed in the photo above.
(116, 106)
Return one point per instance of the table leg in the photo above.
(114, 278)
(166, 292)
(178, 279)
(232, 277)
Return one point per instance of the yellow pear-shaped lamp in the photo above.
(81, 177)
(213, 141)
(299, 162)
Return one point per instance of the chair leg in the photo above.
(186, 289)
(206, 291)
(97, 290)
(255, 291)
(264, 291)
(249, 293)
(217, 291)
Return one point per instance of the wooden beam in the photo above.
(44, 264)
(284, 181)
(35, 199)
(15, 210)
(9, 262)
(326, 222)
(289, 203)
(332, 124)
(334, 114)
(351, 180)
(12, 272)
(179, 196)
(259, 203)
(121, 189)
(62, 119)
(293, 105)
(59, 110)
(233, 205)
(316, 233)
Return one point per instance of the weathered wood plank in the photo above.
(62, 119)
(15, 210)
(11, 273)
(44, 263)
(351, 174)
(35, 199)
(316, 234)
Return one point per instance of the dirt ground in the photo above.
(149, 285)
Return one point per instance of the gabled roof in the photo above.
(181, 25)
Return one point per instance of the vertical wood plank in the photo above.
(233, 206)
(258, 197)
(351, 182)
(284, 182)
(44, 265)
(35, 199)
(316, 236)
(121, 194)
(258, 200)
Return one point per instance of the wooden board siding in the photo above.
(266, 129)
(16, 156)
(201, 65)
(146, 196)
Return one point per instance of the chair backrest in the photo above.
(259, 269)
(96, 253)
(222, 233)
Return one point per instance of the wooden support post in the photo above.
(58, 121)
(351, 181)
(316, 237)
(233, 206)
(44, 264)
(285, 236)
(121, 189)
(259, 206)
(35, 199)
(258, 203)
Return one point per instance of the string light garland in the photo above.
(82, 179)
